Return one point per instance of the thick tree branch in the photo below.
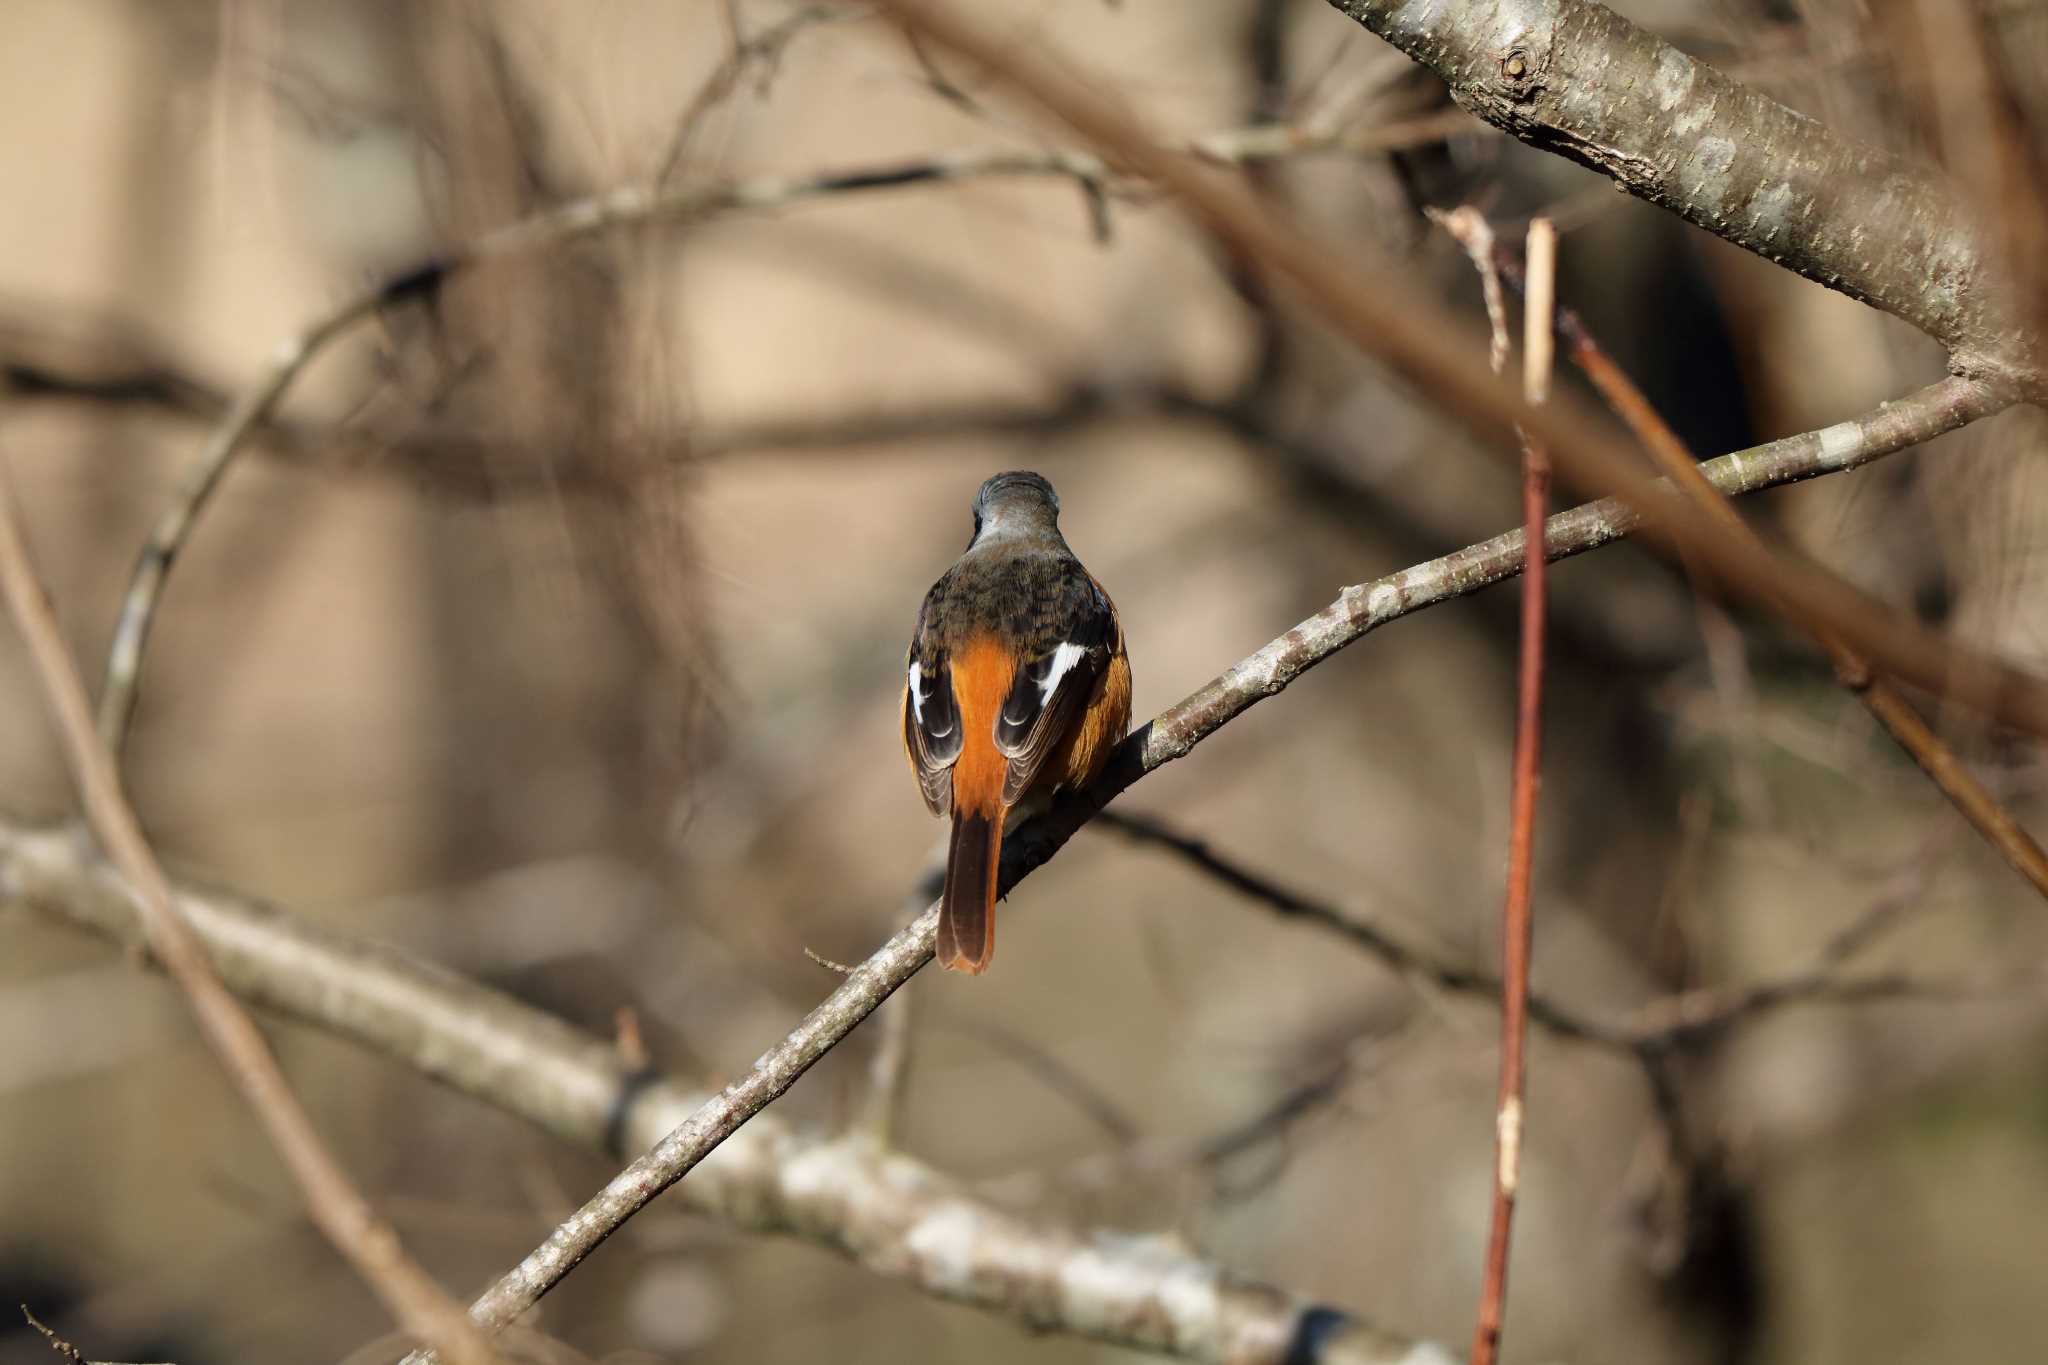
(891, 1214)
(1575, 78)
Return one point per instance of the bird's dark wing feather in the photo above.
(931, 714)
(1069, 635)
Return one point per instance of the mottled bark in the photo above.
(1575, 78)
(893, 1215)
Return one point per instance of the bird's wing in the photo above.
(932, 733)
(1069, 634)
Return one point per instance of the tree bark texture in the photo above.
(1575, 78)
(891, 1214)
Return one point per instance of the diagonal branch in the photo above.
(337, 1208)
(896, 1217)
(64, 1349)
(1648, 1033)
(1169, 736)
(1575, 78)
(1418, 964)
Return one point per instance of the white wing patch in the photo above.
(1063, 658)
(916, 693)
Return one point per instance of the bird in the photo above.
(1016, 686)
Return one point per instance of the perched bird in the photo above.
(1018, 686)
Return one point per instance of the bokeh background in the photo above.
(554, 633)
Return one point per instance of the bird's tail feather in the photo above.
(967, 919)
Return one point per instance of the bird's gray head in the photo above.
(1017, 502)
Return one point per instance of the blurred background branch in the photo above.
(337, 1208)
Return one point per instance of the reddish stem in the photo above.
(1515, 914)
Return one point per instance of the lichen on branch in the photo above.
(1575, 78)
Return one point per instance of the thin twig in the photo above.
(866, 987)
(1516, 916)
(1947, 771)
(623, 207)
(1689, 1019)
(1693, 1017)
(891, 1062)
(1088, 1100)
(1468, 226)
(827, 963)
(1274, 1122)
(58, 1344)
(1419, 965)
(886, 1072)
(337, 1208)
(765, 50)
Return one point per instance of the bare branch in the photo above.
(64, 1349)
(762, 51)
(896, 1217)
(886, 1212)
(1516, 913)
(886, 1070)
(1650, 1032)
(1575, 78)
(337, 1208)
(696, 1137)
(1390, 948)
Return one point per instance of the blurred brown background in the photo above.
(554, 634)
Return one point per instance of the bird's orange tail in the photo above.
(967, 911)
